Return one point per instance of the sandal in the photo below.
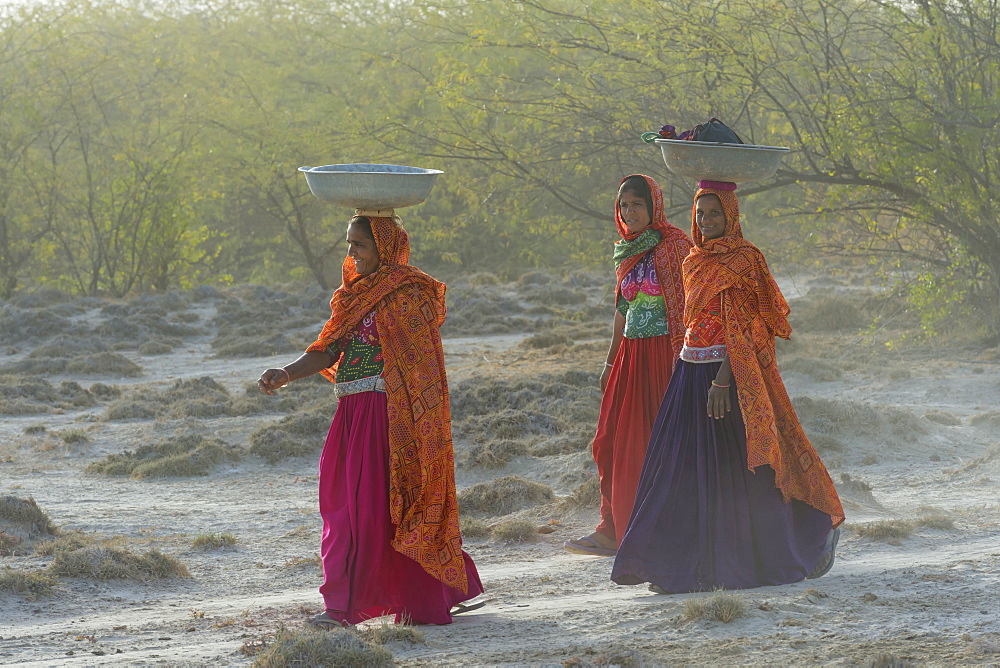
(657, 589)
(462, 608)
(325, 621)
(589, 545)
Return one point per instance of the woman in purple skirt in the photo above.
(732, 494)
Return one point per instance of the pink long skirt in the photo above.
(363, 576)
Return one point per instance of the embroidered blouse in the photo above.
(704, 340)
(362, 357)
(642, 301)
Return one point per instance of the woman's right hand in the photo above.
(604, 377)
(272, 380)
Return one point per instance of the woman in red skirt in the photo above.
(645, 343)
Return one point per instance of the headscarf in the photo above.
(409, 310)
(668, 255)
(754, 312)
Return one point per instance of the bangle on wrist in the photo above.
(288, 376)
(717, 385)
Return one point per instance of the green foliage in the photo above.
(145, 147)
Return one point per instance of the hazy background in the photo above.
(154, 146)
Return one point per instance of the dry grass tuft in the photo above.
(26, 515)
(942, 417)
(547, 339)
(586, 495)
(817, 369)
(73, 436)
(858, 490)
(563, 444)
(989, 420)
(183, 456)
(212, 541)
(504, 495)
(839, 417)
(515, 531)
(889, 661)
(104, 364)
(473, 528)
(108, 563)
(296, 435)
(65, 542)
(494, 455)
(823, 311)
(719, 606)
(884, 529)
(386, 632)
(30, 584)
(333, 647)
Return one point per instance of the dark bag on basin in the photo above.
(714, 130)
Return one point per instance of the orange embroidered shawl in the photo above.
(668, 256)
(409, 310)
(754, 312)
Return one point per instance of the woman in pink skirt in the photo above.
(391, 542)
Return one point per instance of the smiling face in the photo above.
(710, 216)
(634, 210)
(362, 249)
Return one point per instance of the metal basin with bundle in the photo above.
(736, 163)
(370, 186)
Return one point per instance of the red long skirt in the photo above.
(631, 401)
(363, 576)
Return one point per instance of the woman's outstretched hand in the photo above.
(272, 380)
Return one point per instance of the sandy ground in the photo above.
(930, 597)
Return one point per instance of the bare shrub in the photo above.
(504, 495)
(515, 531)
(720, 606)
(108, 563)
(30, 584)
(130, 409)
(859, 490)
(889, 661)
(332, 647)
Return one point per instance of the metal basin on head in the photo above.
(370, 186)
(736, 163)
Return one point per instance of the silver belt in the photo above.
(369, 384)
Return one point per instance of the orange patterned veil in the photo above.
(409, 310)
(754, 312)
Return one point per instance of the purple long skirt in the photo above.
(702, 520)
(363, 576)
